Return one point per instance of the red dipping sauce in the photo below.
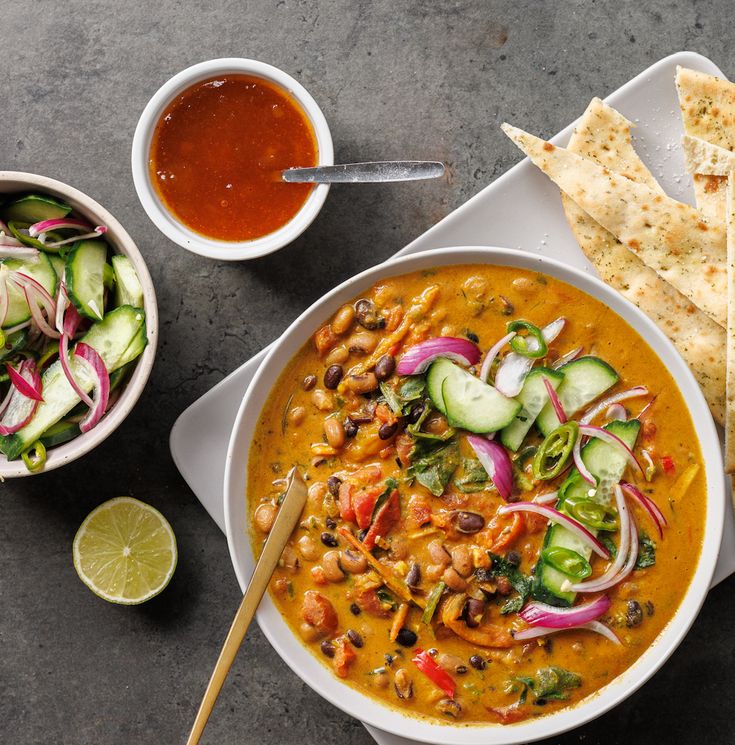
(217, 153)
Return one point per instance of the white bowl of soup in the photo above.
(465, 648)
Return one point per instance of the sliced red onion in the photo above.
(603, 434)
(555, 402)
(24, 280)
(547, 498)
(25, 388)
(614, 572)
(4, 298)
(69, 328)
(648, 505)
(35, 301)
(616, 413)
(514, 367)
(101, 385)
(541, 614)
(496, 461)
(6, 400)
(492, 353)
(584, 472)
(20, 408)
(96, 233)
(568, 357)
(537, 631)
(590, 414)
(59, 223)
(13, 329)
(62, 303)
(572, 525)
(417, 358)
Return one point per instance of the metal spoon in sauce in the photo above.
(365, 173)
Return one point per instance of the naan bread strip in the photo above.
(703, 157)
(676, 240)
(603, 135)
(730, 411)
(708, 112)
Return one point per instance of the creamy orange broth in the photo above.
(476, 300)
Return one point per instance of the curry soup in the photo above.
(425, 572)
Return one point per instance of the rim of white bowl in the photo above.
(167, 223)
(371, 711)
(122, 243)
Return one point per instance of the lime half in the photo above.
(125, 551)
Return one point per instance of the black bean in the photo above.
(387, 430)
(332, 376)
(484, 575)
(327, 648)
(477, 662)
(367, 315)
(350, 427)
(513, 558)
(333, 484)
(385, 366)
(406, 637)
(634, 614)
(388, 659)
(355, 638)
(329, 539)
(474, 610)
(308, 382)
(331, 523)
(470, 522)
(413, 578)
(472, 336)
(355, 609)
(415, 413)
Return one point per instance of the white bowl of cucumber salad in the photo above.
(79, 324)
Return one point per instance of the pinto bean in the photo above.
(343, 319)
(438, 553)
(334, 431)
(332, 570)
(451, 663)
(265, 516)
(453, 580)
(363, 383)
(296, 416)
(367, 315)
(308, 548)
(462, 560)
(362, 342)
(323, 400)
(413, 578)
(353, 562)
(316, 494)
(449, 707)
(403, 684)
(338, 355)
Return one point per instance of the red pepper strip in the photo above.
(668, 463)
(363, 503)
(346, 510)
(388, 515)
(439, 677)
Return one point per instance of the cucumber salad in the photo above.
(531, 421)
(72, 324)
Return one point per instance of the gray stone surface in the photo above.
(412, 79)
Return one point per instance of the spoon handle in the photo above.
(363, 173)
(286, 520)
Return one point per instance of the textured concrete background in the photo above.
(411, 79)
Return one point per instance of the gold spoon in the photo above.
(286, 520)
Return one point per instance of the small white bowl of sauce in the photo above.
(208, 151)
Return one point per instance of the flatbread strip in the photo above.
(603, 135)
(679, 242)
(703, 157)
(730, 411)
(708, 112)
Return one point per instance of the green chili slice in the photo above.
(432, 601)
(555, 451)
(593, 515)
(567, 561)
(519, 344)
(35, 457)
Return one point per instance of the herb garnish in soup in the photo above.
(506, 500)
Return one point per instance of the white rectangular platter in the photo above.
(520, 210)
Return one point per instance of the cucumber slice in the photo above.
(85, 269)
(474, 405)
(533, 398)
(606, 463)
(59, 433)
(136, 347)
(110, 337)
(42, 271)
(584, 380)
(58, 264)
(439, 370)
(34, 208)
(128, 290)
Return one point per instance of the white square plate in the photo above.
(521, 210)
